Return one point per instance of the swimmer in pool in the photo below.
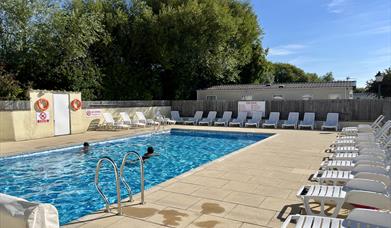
(150, 153)
(86, 147)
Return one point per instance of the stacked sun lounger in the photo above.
(357, 173)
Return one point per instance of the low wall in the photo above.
(18, 118)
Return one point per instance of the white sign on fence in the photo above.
(252, 106)
(42, 117)
(93, 113)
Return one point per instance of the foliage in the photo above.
(134, 49)
(9, 87)
(287, 73)
(372, 85)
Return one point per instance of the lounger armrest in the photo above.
(289, 219)
(298, 194)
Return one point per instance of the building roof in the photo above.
(332, 84)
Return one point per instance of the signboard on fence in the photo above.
(252, 106)
(92, 113)
(42, 117)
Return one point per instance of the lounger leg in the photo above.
(307, 206)
(322, 213)
(337, 208)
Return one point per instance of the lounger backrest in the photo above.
(242, 116)
(309, 118)
(367, 218)
(198, 115)
(175, 115)
(211, 115)
(140, 116)
(377, 121)
(227, 115)
(108, 118)
(293, 117)
(332, 119)
(256, 116)
(384, 129)
(274, 117)
(125, 117)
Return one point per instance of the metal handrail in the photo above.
(141, 162)
(118, 187)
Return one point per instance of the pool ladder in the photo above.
(120, 177)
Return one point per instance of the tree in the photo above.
(328, 77)
(287, 73)
(47, 46)
(9, 87)
(372, 85)
(258, 69)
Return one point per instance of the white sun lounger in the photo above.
(274, 117)
(209, 119)
(364, 138)
(140, 119)
(197, 117)
(363, 127)
(109, 122)
(239, 121)
(125, 119)
(334, 177)
(347, 165)
(364, 218)
(255, 119)
(176, 117)
(308, 121)
(227, 115)
(331, 121)
(293, 118)
(363, 192)
(163, 120)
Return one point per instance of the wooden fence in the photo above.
(349, 110)
(14, 105)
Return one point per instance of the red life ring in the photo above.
(42, 104)
(76, 104)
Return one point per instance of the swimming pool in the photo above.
(65, 177)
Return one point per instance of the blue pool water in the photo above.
(65, 177)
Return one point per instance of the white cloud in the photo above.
(288, 49)
(336, 6)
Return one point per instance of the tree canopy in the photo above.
(372, 85)
(133, 49)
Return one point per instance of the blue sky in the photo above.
(351, 38)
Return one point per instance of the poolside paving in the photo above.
(253, 187)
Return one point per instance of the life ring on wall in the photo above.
(42, 104)
(76, 104)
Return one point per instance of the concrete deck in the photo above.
(253, 187)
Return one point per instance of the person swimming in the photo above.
(86, 147)
(150, 153)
